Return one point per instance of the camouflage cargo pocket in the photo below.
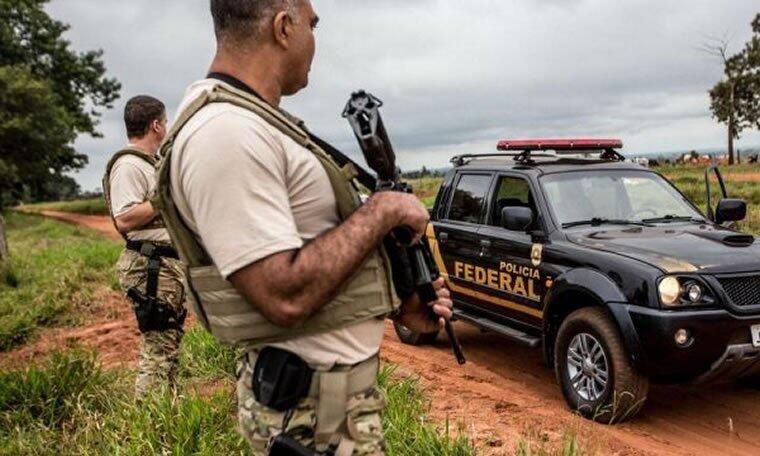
(364, 422)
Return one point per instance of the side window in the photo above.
(468, 201)
(511, 191)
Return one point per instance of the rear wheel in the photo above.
(410, 337)
(594, 369)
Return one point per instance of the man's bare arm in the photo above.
(137, 217)
(288, 287)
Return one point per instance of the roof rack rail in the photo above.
(525, 157)
(519, 156)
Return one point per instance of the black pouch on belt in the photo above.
(280, 379)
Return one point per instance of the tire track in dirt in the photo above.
(505, 391)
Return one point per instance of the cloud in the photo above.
(455, 76)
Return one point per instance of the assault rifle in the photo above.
(414, 268)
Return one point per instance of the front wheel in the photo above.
(410, 337)
(594, 369)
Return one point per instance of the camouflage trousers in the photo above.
(159, 350)
(259, 424)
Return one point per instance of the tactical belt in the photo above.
(154, 253)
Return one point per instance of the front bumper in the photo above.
(721, 348)
(738, 361)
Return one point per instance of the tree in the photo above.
(3, 243)
(49, 94)
(35, 135)
(735, 100)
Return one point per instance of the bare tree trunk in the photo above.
(731, 128)
(3, 241)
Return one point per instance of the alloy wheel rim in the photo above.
(587, 367)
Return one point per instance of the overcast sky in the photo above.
(455, 75)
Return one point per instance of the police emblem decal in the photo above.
(536, 253)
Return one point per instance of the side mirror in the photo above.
(730, 210)
(516, 218)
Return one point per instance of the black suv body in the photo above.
(606, 266)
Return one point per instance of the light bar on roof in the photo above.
(559, 144)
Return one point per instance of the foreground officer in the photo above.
(283, 260)
(149, 270)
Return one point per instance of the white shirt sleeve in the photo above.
(129, 186)
(234, 179)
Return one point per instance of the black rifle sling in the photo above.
(364, 177)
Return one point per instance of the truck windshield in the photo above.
(618, 197)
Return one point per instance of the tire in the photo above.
(410, 337)
(592, 334)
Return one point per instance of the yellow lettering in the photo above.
(458, 268)
(468, 272)
(480, 275)
(505, 282)
(531, 292)
(493, 278)
(519, 286)
(502, 266)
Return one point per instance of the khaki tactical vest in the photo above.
(156, 222)
(219, 307)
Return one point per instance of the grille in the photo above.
(743, 291)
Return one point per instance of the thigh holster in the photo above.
(153, 313)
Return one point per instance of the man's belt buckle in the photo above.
(147, 249)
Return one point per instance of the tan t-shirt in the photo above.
(249, 191)
(132, 182)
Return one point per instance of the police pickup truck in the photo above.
(621, 280)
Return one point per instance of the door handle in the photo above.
(485, 245)
(443, 237)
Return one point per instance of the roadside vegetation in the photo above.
(68, 403)
(53, 268)
(92, 206)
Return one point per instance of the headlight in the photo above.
(678, 291)
(670, 290)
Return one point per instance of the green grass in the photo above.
(71, 406)
(202, 357)
(93, 206)
(690, 180)
(51, 266)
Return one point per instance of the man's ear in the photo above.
(282, 28)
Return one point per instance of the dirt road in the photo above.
(505, 392)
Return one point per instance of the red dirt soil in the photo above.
(503, 393)
(110, 329)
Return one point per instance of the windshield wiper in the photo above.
(672, 218)
(596, 221)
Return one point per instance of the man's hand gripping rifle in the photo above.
(419, 269)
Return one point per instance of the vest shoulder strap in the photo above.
(153, 161)
(186, 243)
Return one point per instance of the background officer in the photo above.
(149, 270)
